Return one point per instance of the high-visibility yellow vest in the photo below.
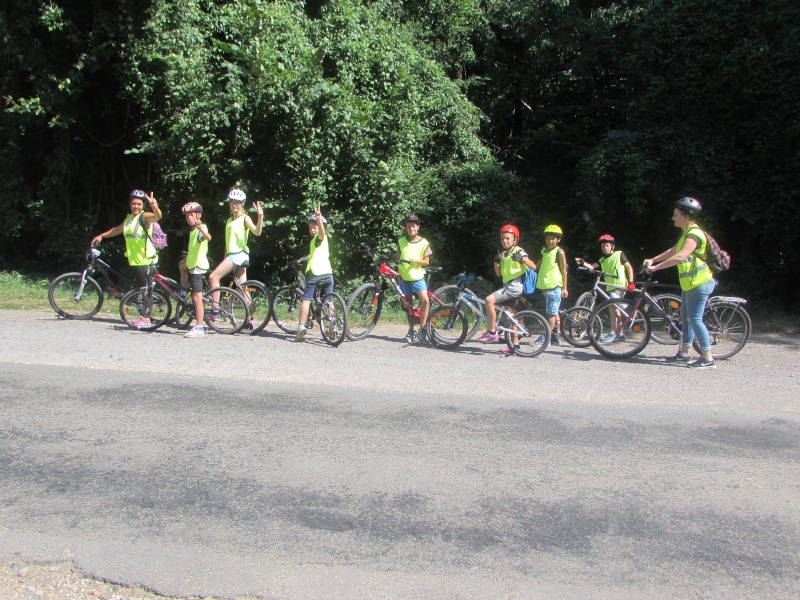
(693, 271)
(319, 258)
(412, 250)
(138, 247)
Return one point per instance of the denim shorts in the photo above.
(311, 285)
(240, 259)
(413, 287)
(552, 300)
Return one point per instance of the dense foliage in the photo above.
(592, 114)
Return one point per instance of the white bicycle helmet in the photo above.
(138, 194)
(312, 218)
(237, 195)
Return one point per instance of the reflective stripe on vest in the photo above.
(138, 247)
(693, 271)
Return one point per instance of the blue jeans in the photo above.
(693, 303)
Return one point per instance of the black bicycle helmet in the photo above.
(690, 205)
(411, 218)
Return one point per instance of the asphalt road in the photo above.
(228, 466)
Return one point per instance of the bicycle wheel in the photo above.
(333, 319)
(534, 336)
(230, 311)
(729, 327)
(131, 309)
(446, 328)
(587, 300)
(575, 326)
(184, 315)
(626, 329)
(73, 298)
(363, 311)
(660, 330)
(259, 303)
(286, 308)
(448, 295)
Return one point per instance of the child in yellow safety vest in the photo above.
(318, 268)
(195, 265)
(552, 279)
(617, 271)
(414, 253)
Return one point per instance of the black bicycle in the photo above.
(329, 311)
(80, 295)
(622, 327)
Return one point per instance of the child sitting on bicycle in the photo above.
(617, 271)
(237, 254)
(318, 268)
(414, 253)
(552, 280)
(510, 264)
(196, 263)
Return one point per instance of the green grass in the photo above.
(20, 292)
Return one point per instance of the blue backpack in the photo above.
(529, 282)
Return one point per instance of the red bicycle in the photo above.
(365, 304)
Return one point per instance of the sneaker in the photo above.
(506, 351)
(213, 315)
(248, 326)
(555, 340)
(680, 358)
(620, 338)
(607, 338)
(423, 337)
(411, 336)
(195, 332)
(300, 335)
(702, 363)
(142, 322)
(539, 340)
(488, 338)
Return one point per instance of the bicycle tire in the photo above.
(131, 308)
(259, 305)
(64, 297)
(587, 300)
(231, 313)
(728, 331)
(660, 330)
(575, 326)
(448, 295)
(534, 339)
(286, 308)
(333, 319)
(363, 311)
(446, 328)
(636, 329)
(184, 315)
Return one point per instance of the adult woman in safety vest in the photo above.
(696, 279)
(142, 254)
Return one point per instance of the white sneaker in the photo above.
(300, 335)
(195, 332)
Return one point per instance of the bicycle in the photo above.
(660, 332)
(156, 303)
(329, 311)
(259, 303)
(447, 324)
(79, 295)
(728, 323)
(366, 302)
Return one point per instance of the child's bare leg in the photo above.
(424, 307)
(491, 313)
(225, 267)
(199, 312)
(184, 274)
(305, 308)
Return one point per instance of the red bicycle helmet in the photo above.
(606, 238)
(508, 228)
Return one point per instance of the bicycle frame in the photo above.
(503, 315)
(385, 272)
